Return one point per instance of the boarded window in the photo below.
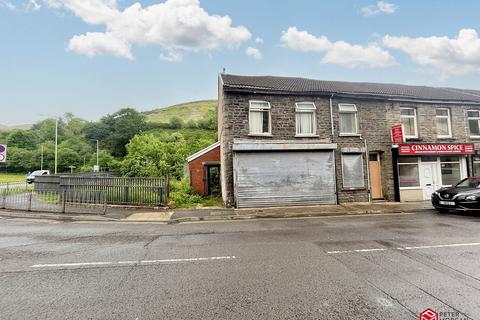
(352, 169)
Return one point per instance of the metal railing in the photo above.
(118, 190)
(27, 199)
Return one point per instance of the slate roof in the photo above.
(291, 85)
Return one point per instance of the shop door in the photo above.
(375, 176)
(429, 180)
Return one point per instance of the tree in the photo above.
(209, 122)
(22, 139)
(175, 123)
(115, 131)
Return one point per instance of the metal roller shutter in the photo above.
(283, 178)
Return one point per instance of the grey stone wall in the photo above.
(375, 120)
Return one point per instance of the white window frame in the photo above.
(419, 187)
(410, 117)
(363, 171)
(473, 118)
(253, 108)
(299, 109)
(449, 121)
(340, 111)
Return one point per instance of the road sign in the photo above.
(3, 153)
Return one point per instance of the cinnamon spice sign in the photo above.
(436, 148)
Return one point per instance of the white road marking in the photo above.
(130, 262)
(357, 250)
(453, 245)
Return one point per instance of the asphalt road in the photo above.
(368, 267)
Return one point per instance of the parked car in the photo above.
(31, 176)
(464, 196)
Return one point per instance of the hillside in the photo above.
(195, 111)
(12, 127)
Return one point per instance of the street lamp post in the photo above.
(41, 158)
(97, 156)
(56, 144)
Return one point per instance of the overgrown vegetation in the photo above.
(132, 143)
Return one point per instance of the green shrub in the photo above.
(182, 195)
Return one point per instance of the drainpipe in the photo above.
(331, 114)
(334, 152)
(368, 169)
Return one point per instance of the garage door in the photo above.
(282, 178)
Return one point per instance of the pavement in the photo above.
(363, 267)
(166, 215)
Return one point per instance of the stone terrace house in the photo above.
(295, 141)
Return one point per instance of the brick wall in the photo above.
(197, 172)
(375, 120)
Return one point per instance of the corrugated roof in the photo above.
(385, 90)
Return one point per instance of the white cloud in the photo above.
(380, 7)
(99, 43)
(258, 40)
(339, 52)
(457, 56)
(172, 57)
(7, 4)
(32, 5)
(53, 4)
(173, 25)
(254, 53)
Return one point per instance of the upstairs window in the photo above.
(444, 127)
(259, 118)
(305, 118)
(474, 122)
(348, 119)
(409, 121)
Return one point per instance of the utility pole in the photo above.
(97, 155)
(41, 158)
(56, 144)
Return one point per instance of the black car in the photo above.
(464, 196)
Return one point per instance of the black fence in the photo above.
(24, 198)
(117, 190)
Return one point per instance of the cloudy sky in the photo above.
(92, 57)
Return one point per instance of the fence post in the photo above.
(4, 200)
(30, 196)
(125, 194)
(64, 199)
(166, 192)
(104, 203)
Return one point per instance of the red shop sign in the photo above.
(436, 148)
(397, 134)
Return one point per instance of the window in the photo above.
(474, 122)
(450, 167)
(352, 171)
(305, 118)
(408, 172)
(409, 121)
(348, 119)
(259, 118)
(444, 126)
(476, 165)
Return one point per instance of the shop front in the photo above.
(424, 168)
